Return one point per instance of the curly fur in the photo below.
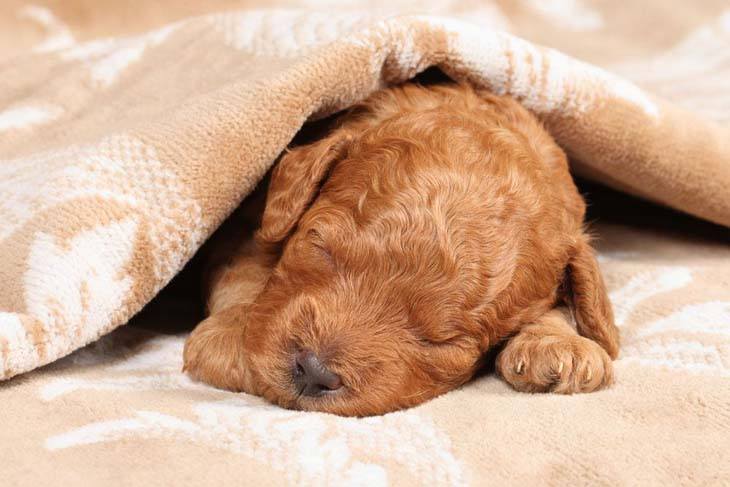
(431, 225)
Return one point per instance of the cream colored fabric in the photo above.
(120, 412)
(130, 130)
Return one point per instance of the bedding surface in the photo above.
(120, 411)
(130, 130)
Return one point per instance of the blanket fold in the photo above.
(121, 155)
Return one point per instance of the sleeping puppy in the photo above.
(432, 225)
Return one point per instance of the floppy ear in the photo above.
(588, 299)
(295, 182)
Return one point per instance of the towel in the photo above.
(130, 130)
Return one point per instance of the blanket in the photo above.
(130, 130)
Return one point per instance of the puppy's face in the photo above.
(349, 324)
(407, 242)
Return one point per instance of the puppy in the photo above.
(430, 226)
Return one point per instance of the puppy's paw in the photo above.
(214, 354)
(564, 364)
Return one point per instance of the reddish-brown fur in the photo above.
(433, 224)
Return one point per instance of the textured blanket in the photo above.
(130, 130)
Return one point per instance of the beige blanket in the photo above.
(130, 130)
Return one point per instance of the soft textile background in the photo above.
(129, 130)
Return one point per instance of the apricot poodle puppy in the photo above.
(431, 225)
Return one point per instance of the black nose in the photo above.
(312, 376)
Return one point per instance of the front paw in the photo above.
(214, 354)
(562, 364)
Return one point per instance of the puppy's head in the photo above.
(350, 322)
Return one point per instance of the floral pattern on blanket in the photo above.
(129, 131)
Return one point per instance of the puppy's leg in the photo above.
(550, 356)
(214, 351)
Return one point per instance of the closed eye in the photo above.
(317, 243)
(427, 341)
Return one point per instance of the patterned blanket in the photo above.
(130, 130)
